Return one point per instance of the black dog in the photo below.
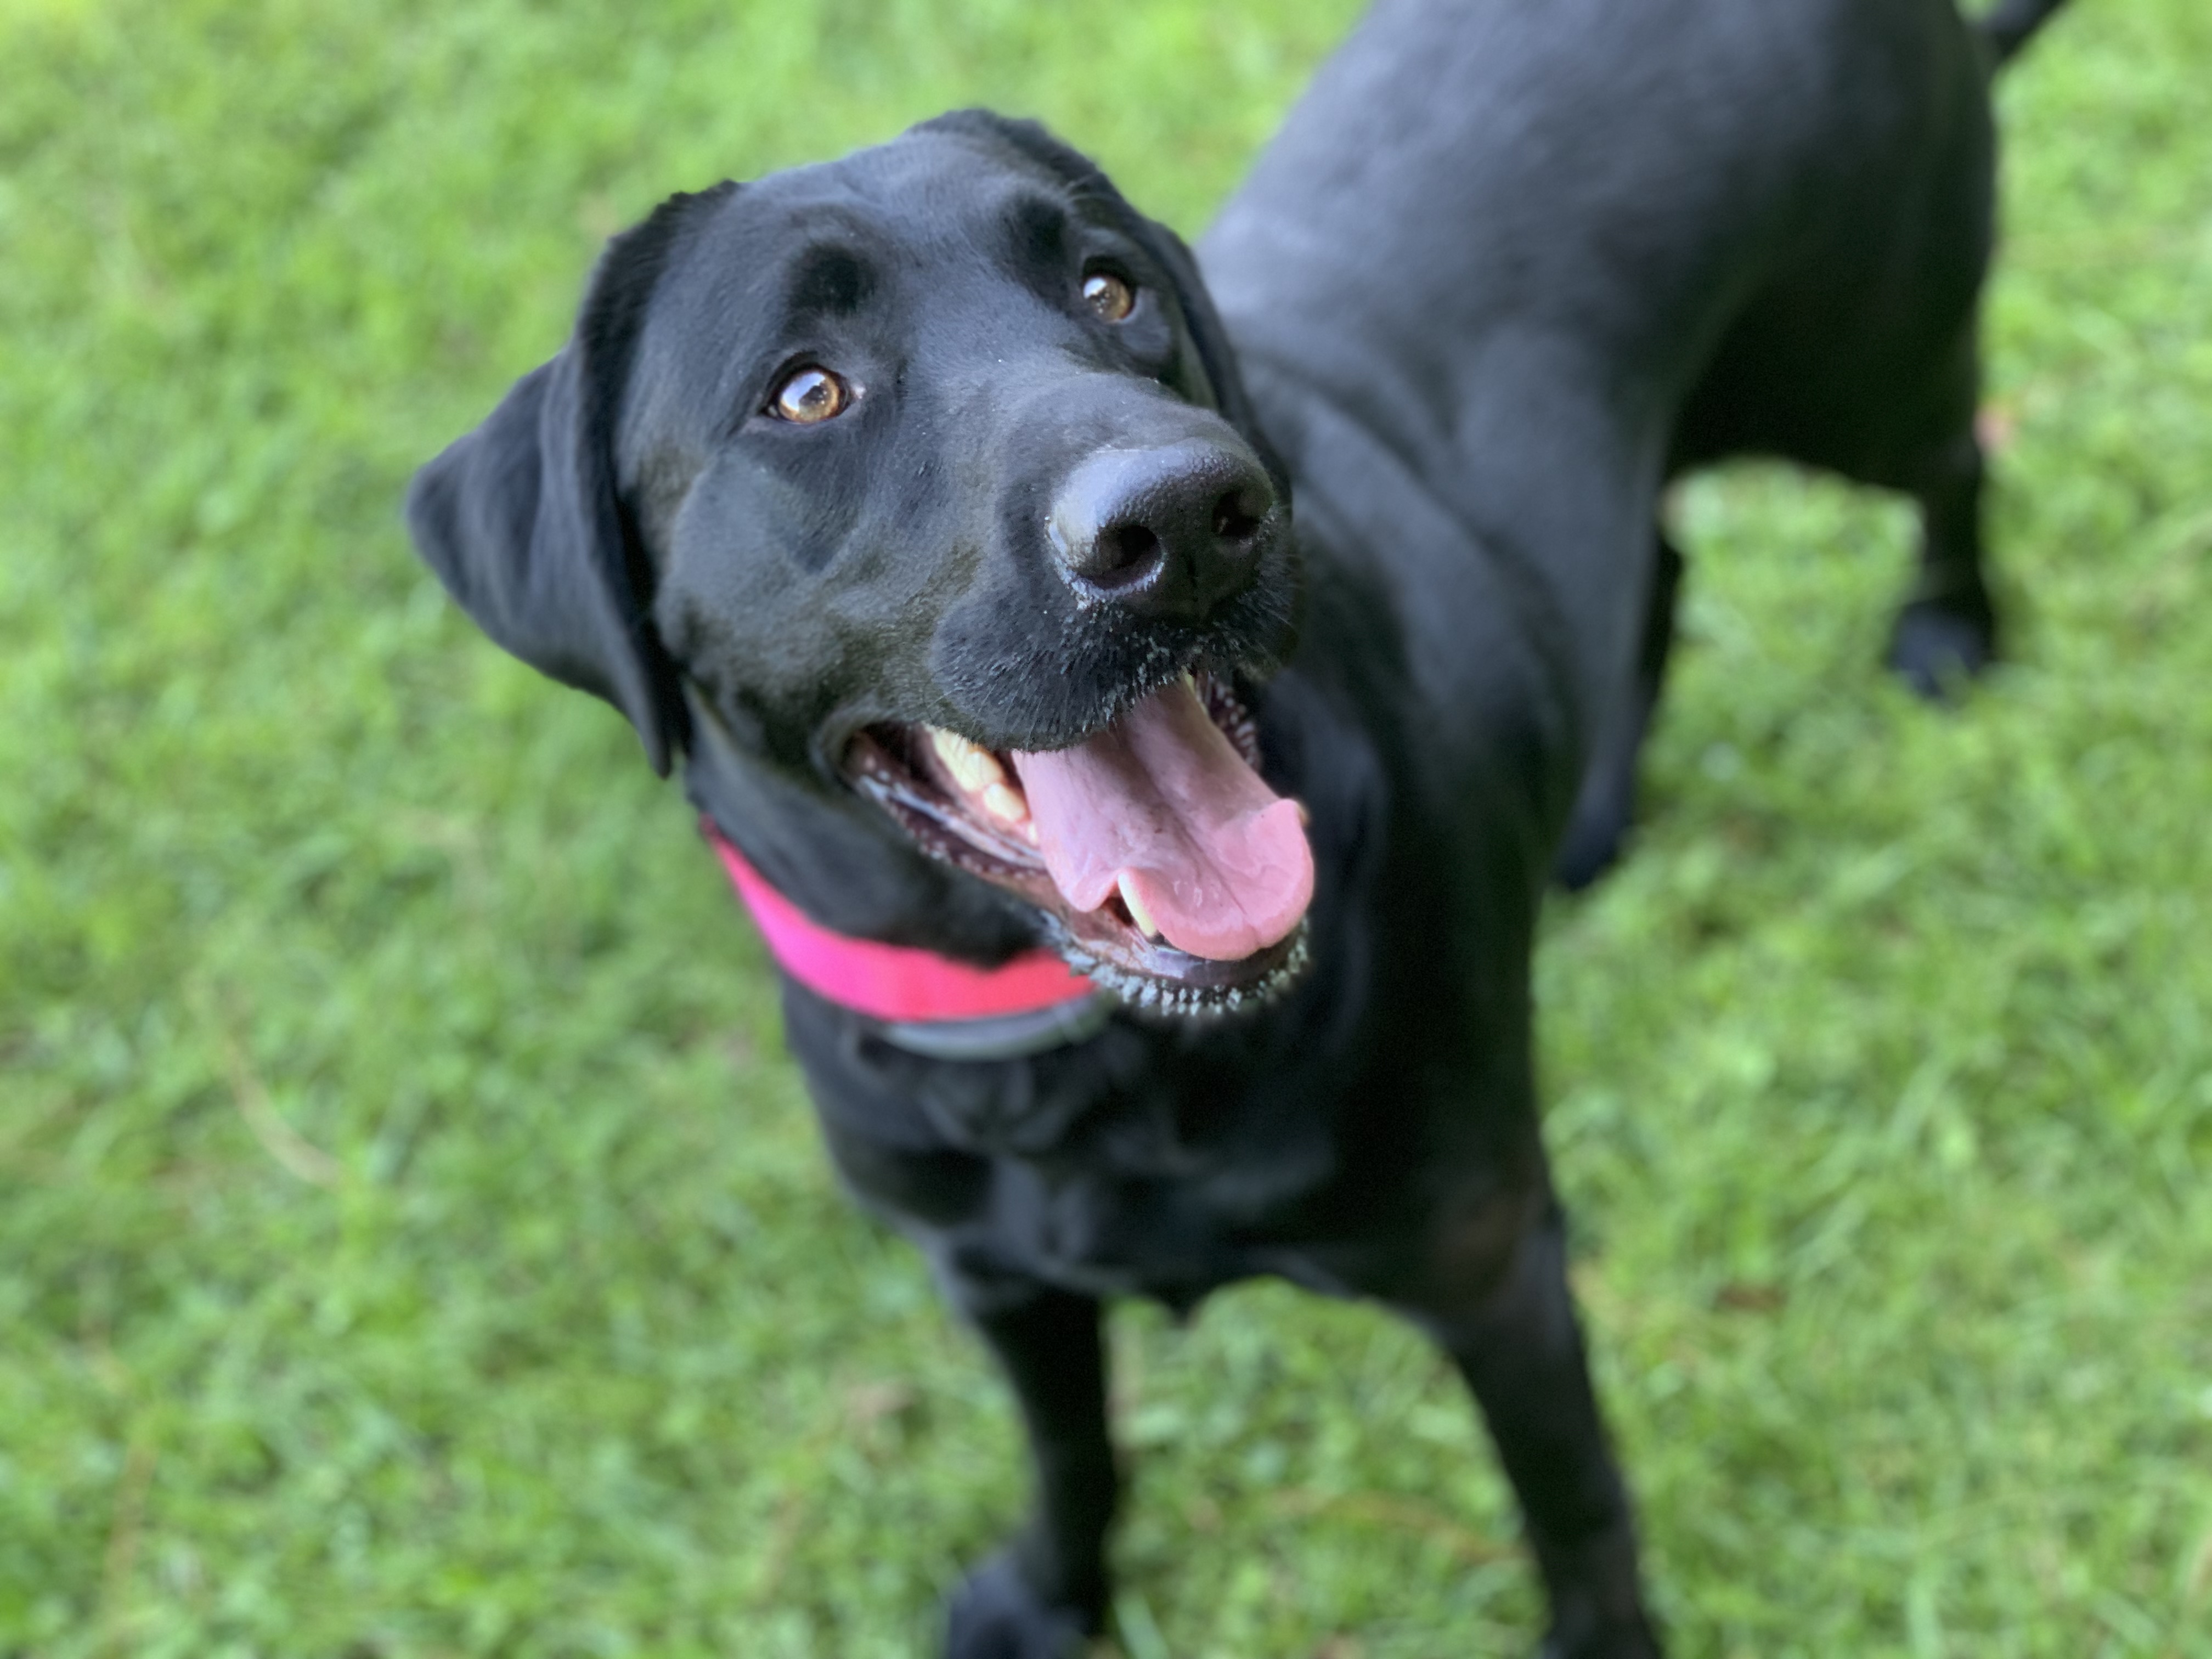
(923, 503)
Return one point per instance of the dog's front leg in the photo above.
(1520, 1350)
(1605, 806)
(1044, 1593)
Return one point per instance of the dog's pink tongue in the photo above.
(1162, 800)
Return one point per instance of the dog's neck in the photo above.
(893, 982)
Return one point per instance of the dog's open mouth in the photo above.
(1171, 873)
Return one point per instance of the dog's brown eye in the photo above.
(811, 395)
(1109, 295)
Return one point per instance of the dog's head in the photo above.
(929, 473)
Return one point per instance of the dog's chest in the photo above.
(1115, 1166)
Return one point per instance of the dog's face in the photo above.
(928, 470)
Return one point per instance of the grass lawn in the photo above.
(413, 1240)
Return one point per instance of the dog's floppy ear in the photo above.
(1082, 175)
(522, 521)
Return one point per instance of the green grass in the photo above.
(412, 1237)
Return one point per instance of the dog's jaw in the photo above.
(966, 805)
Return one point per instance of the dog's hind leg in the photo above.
(1947, 630)
(1605, 806)
(1520, 1349)
(1043, 1594)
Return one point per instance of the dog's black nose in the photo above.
(1171, 530)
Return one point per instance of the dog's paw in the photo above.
(1633, 1641)
(994, 1614)
(1938, 646)
(1592, 846)
(1597, 830)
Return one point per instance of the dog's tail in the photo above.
(2010, 24)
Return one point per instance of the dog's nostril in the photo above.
(1169, 531)
(1233, 520)
(1126, 553)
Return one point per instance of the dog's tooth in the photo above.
(952, 749)
(974, 768)
(985, 775)
(1137, 914)
(1003, 804)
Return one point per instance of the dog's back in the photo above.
(1452, 245)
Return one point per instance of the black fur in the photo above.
(2011, 25)
(1507, 269)
(522, 521)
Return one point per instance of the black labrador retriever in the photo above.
(935, 510)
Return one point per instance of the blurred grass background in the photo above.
(412, 1238)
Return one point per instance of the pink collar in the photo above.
(894, 982)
